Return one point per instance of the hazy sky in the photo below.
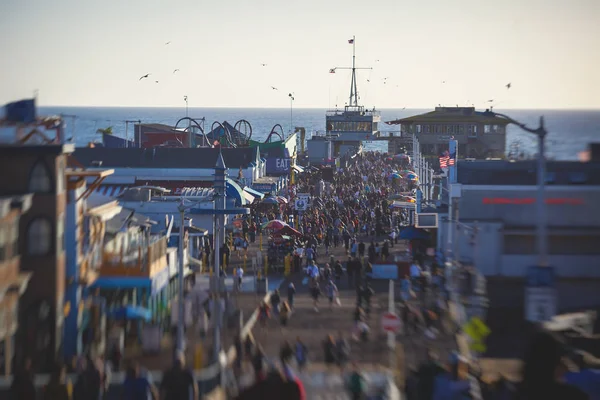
(92, 53)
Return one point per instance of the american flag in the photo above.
(444, 159)
(452, 159)
(350, 41)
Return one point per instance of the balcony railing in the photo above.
(142, 261)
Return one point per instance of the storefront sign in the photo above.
(265, 187)
(531, 200)
(278, 165)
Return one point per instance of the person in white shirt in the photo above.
(240, 275)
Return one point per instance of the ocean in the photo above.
(569, 131)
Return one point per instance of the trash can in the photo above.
(261, 285)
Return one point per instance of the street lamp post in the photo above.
(182, 208)
(291, 96)
(542, 234)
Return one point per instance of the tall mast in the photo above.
(353, 90)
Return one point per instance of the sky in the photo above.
(450, 52)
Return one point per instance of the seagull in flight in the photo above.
(376, 60)
(264, 65)
(508, 85)
(167, 43)
(156, 81)
(368, 80)
(491, 101)
(176, 70)
(144, 76)
(274, 88)
(443, 81)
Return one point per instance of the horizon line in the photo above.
(326, 108)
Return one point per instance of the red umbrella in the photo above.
(274, 225)
(288, 230)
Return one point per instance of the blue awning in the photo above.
(154, 284)
(234, 191)
(254, 193)
(122, 282)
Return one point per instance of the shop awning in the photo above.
(253, 192)
(154, 285)
(122, 282)
(402, 204)
(298, 169)
(249, 198)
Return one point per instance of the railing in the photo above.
(209, 378)
(141, 261)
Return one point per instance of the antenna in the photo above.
(353, 102)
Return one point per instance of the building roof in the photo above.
(36, 149)
(525, 173)
(165, 157)
(453, 115)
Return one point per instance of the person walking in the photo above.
(329, 351)
(59, 387)
(301, 352)
(342, 349)
(291, 293)
(178, 382)
(356, 383)
(138, 386)
(22, 386)
(332, 291)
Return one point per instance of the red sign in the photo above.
(390, 322)
(531, 200)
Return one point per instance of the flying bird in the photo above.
(169, 42)
(443, 81)
(156, 81)
(508, 85)
(176, 70)
(491, 101)
(376, 60)
(264, 65)
(144, 76)
(368, 80)
(274, 88)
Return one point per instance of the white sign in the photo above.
(300, 205)
(304, 197)
(390, 322)
(540, 304)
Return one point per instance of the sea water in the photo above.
(569, 131)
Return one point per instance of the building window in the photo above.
(418, 128)
(39, 180)
(39, 237)
(519, 244)
(487, 128)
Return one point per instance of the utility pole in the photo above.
(291, 96)
(219, 239)
(127, 134)
(542, 229)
